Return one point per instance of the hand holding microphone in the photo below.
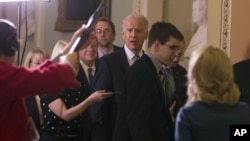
(72, 42)
(78, 40)
(62, 47)
(73, 60)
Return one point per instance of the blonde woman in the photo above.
(34, 58)
(213, 99)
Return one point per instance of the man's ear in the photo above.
(156, 45)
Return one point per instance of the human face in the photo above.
(88, 52)
(104, 34)
(36, 60)
(167, 51)
(199, 13)
(175, 59)
(134, 33)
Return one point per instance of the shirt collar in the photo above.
(131, 54)
(100, 54)
(156, 62)
(85, 67)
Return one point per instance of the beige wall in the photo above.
(46, 12)
(176, 11)
(239, 46)
(179, 12)
(214, 22)
(240, 34)
(119, 9)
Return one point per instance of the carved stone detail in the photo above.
(137, 6)
(226, 26)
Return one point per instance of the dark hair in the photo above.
(8, 38)
(112, 25)
(162, 31)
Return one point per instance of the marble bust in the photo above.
(199, 39)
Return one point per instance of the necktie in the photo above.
(170, 86)
(90, 75)
(164, 85)
(135, 58)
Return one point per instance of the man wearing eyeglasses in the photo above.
(105, 34)
(144, 108)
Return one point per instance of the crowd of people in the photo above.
(105, 92)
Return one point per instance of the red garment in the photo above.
(18, 82)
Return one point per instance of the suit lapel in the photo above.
(156, 79)
(83, 79)
(124, 61)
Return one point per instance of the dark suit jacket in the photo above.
(109, 76)
(85, 92)
(242, 78)
(116, 48)
(32, 109)
(143, 114)
(180, 94)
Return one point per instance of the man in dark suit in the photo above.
(144, 111)
(111, 72)
(33, 111)
(179, 95)
(242, 79)
(105, 34)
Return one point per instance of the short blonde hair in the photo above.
(59, 46)
(210, 77)
(33, 51)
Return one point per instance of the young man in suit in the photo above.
(105, 34)
(111, 73)
(179, 92)
(144, 111)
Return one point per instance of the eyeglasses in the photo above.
(36, 63)
(99, 31)
(172, 47)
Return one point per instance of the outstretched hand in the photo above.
(99, 95)
(171, 110)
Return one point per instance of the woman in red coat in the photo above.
(18, 82)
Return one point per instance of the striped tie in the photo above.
(135, 58)
(170, 86)
(164, 85)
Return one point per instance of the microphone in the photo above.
(89, 28)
